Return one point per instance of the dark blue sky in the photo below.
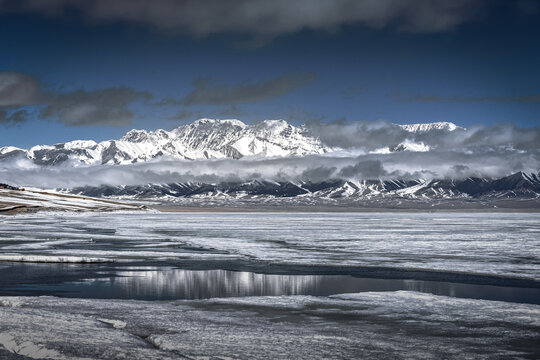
(482, 69)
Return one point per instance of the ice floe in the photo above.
(380, 325)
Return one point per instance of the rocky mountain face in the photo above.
(203, 139)
(518, 185)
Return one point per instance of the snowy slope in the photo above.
(518, 185)
(418, 128)
(203, 139)
(35, 199)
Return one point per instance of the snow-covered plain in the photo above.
(378, 325)
(385, 325)
(37, 199)
(501, 244)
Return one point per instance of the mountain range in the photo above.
(235, 140)
(203, 139)
(516, 186)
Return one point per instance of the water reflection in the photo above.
(187, 284)
(159, 283)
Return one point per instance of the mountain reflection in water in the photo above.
(166, 283)
(159, 284)
(188, 284)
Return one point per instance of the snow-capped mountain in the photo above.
(516, 186)
(422, 128)
(203, 139)
(406, 145)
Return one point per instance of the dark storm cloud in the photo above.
(212, 92)
(108, 106)
(17, 89)
(261, 17)
(523, 99)
(13, 117)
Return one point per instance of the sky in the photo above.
(95, 69)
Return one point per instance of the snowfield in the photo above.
(495, 252)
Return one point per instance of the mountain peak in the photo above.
(135, 135)
(207, 121)
(425, 127)
(274, 123)
(272, 126)
(203, 139)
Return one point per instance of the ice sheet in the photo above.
(478, 243)
(397, 325)
(52, 259)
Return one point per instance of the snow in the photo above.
(403, 324)
(28, 348)
(206, 138)
(7, 149)
(448, 126)
(52, 259)
(273, 126)
(245, 145)
(413, 146)
(407, 145)
(233, 122)
(411, 190)
(370, 325)
(501, 244)
(80, 144)
(39, 199)
(117, 324)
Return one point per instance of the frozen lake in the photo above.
(163, 283)
(270, 285)
(372, 325)
(504, 245)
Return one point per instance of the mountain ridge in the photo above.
(519, 185)
(203, 139)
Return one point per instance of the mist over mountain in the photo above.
(210, 151)
(518, 186)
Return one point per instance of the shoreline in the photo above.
(329, 209)
(35, 200)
